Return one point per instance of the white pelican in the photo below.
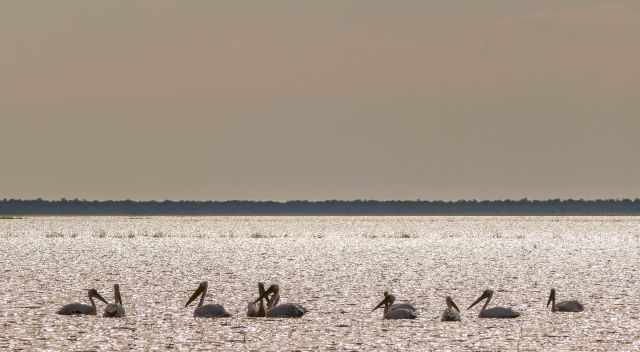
(285, 310)
(116, 309)
(254, 309)
(495, 312)
(396, 311)
(451, 313)
(564, 306)
(206, 310)
(407, 306)
(82, 309)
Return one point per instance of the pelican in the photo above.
(254, 310)
(115, 310)
(564, 306)
(451, 313)
(407, 306)
(396, 311)
(495, 312)
(82, 309)
(206, 310)
(275, 310)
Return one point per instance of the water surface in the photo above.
(337, 267)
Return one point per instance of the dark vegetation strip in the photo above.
(329, 207)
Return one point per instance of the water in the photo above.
(337, 267)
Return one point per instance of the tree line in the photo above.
(327, 207)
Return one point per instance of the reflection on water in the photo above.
(337, 267)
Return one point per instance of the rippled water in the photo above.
(337, 267)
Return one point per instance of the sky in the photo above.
(332, 99)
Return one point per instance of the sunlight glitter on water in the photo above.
(337, 267)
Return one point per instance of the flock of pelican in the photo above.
(268, 305)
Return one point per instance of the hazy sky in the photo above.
(441, 99)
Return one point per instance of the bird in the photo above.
(495, 312)
(564, 306)
(116, 309)
(396, 311)
(257, 309)
(276, 310)
(206, 310)
(82, 309)
(451, 313)
(407, 306)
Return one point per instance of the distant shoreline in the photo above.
(524, 207)
(133, 216)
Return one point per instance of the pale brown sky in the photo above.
(441, 99)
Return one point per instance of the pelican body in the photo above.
(82, 309)
(495, 312)
(206, 310)
(396, 311)
(564, 306)
(254, 309)
(276, 310)
(116, 309)
(451, 313)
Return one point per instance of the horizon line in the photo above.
(353, 200)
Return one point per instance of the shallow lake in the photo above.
(337, 267)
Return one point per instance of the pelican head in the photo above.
(552, 297)
(116, 293)
(94, 293)
(388, 300)
(451, 303)
(201, 289)
(275, 289)
(487, 294)
(261, 289)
